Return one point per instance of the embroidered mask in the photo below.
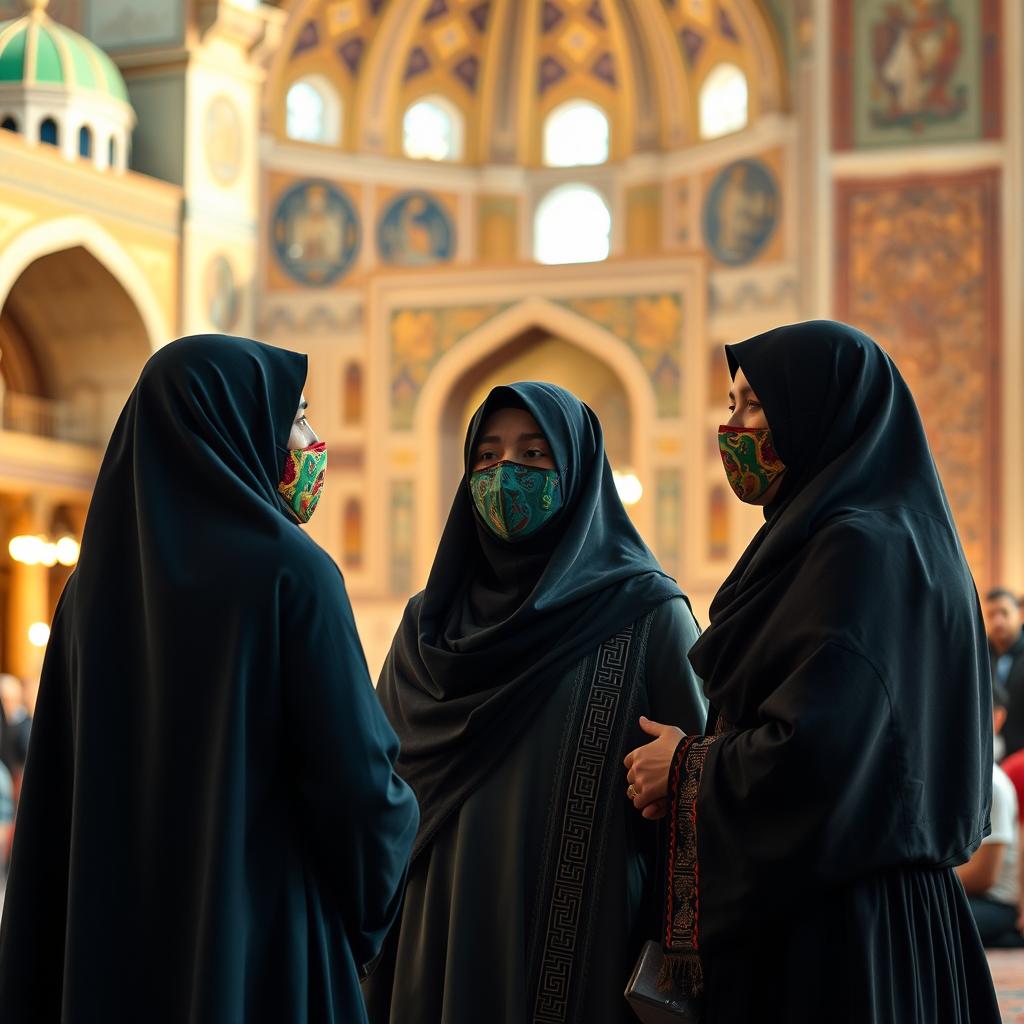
(751, 462)
(516, 501)
(302, 479)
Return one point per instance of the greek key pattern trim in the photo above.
(582, 794)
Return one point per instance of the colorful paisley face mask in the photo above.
(302, 479)
(516, 501)
(751, 462)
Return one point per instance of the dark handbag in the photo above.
(654, 1005)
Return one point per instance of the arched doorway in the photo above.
(533, 340)
(72, 344)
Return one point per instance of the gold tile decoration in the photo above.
(450, 38)
(578, 42)
(343, 16)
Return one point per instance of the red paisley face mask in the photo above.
(751, 462)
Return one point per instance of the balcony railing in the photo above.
(46, 417)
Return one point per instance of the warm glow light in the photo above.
(38, 634)
(629, 487)
(23, 549)
(67, 550)
(31, 550)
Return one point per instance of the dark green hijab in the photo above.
(500, 623)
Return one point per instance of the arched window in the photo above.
(352, 399)
(313, 111)
(48, 132)
(572, 225)
(112, 151)
(85, 141)
(576, 135)
(432, 129)
(723, 102)
(9, 124)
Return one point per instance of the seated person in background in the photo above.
(1013, 768)
(990, 877)
(1006, 652)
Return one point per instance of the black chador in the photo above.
(210, 827)
(515, 684)
(849, 763)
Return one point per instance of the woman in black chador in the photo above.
(847, 766)
(210, 830)
(515, 683)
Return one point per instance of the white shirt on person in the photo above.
(1006, 830)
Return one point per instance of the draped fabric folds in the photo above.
(478, 651)
(847, 664)
(211, 828)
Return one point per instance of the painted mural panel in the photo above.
(910, 71)
(415, 230)
(651, 325)
(741, 212)
(420, 336)
(315, 233)
(918, 269)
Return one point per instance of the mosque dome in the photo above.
(58, 88)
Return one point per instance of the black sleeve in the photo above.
(674, 692)
(808, 799)
(359, 816)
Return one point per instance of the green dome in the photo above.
(36, 51)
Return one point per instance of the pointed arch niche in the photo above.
(535, 340)
(629, 340)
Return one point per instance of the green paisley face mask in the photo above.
(302, 479)
(516, 501)
(751, 462)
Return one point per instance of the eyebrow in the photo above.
(495, 439)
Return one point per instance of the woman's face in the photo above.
(745, 409)
(302, 435)
(512, 435)
(747, 413)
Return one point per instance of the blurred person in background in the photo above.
(15, 725)
(991, 877)
(1006, 647)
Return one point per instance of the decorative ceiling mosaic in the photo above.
(575, 42)
(449, 43)
(343, 29)
(708, 33)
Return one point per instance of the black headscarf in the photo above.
(479, 650)
(858, 563)
(209, 809)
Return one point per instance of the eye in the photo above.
(486, 456)
(731, 407)
(536, 453)
(753, 405)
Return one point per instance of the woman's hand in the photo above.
(648, 766)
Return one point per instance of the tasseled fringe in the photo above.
(683, 972)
